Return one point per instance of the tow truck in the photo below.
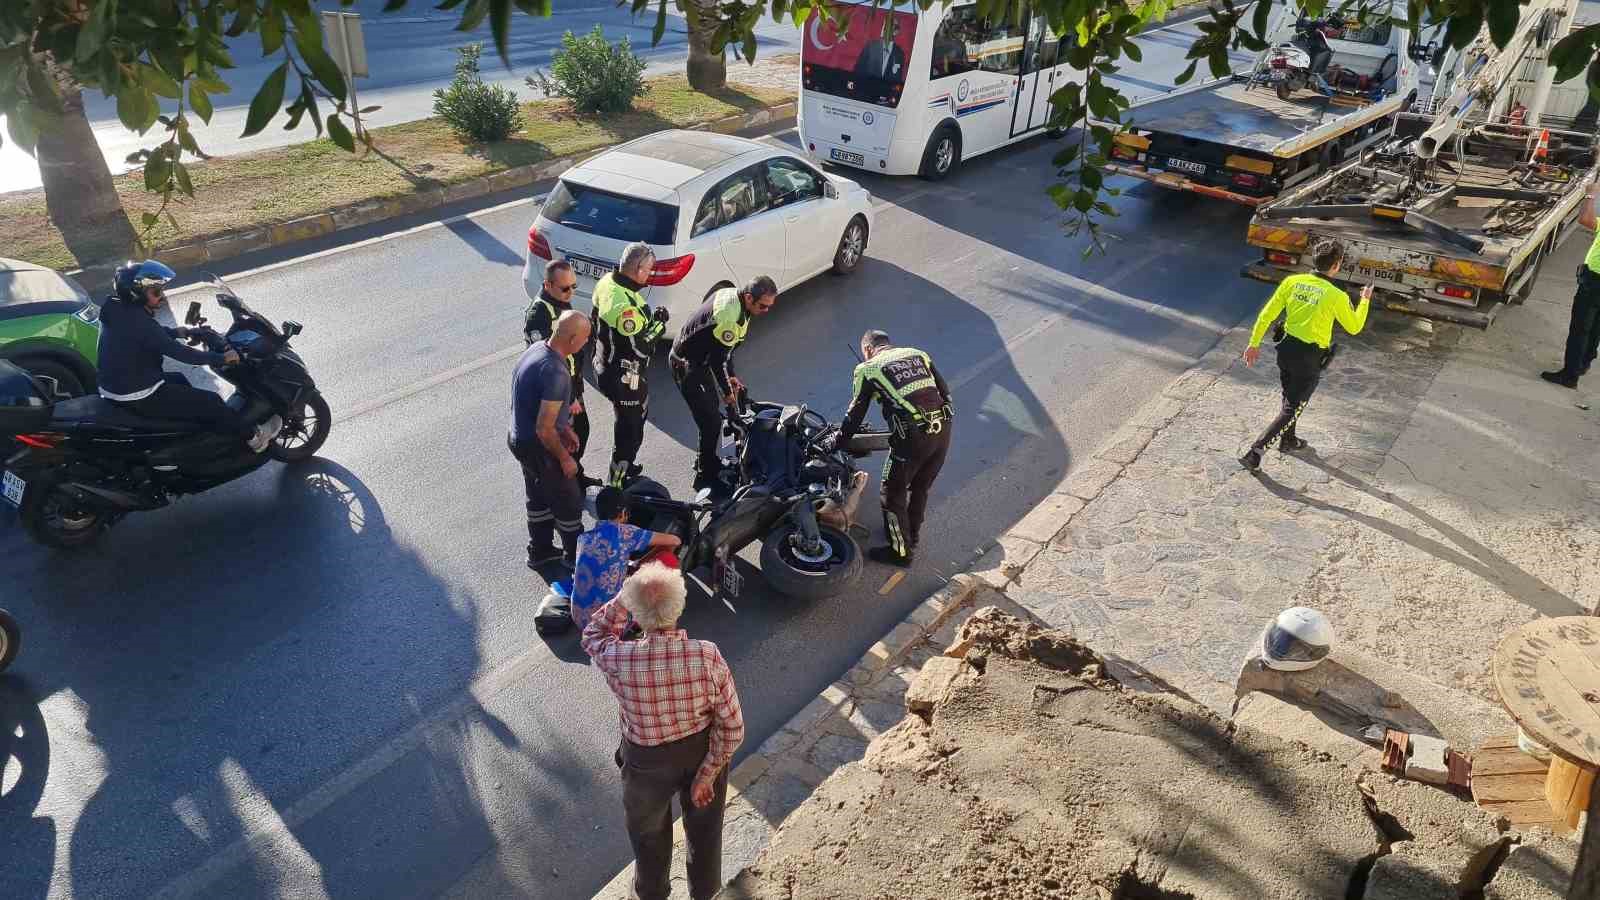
(1246, 137)
(1452, 217)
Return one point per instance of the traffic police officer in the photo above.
(1309, 303)
(702, 363)
(916, 405)
(626, 332)
(539, 324)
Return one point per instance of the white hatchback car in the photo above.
(718, 211)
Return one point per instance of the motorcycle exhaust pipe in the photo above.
(842, 515)
(104, 498)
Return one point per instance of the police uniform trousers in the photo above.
(1299, 370)
(631, 402)
(913, 464)
(699, 391)
(555, 502)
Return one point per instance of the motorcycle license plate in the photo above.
(732, 581)
(13, 486)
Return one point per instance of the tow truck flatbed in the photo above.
(1253, 118)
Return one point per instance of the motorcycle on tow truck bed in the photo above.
(785, 470)
(85, 463)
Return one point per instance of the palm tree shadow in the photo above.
(1467, 553)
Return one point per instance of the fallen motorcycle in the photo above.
(10, 639)
(790, 488)
(87, 462)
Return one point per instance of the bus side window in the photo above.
(965, 43)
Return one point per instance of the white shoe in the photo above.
(265, 432)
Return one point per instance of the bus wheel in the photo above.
(943, 154)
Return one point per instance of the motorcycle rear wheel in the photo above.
(304, 432)
(10, 639)
(791, 574)
(55, 520)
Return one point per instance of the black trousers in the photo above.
(555, 502)
(699, 391)
(913, 464)
(580, 425)
(1299, 370)
(651, 777)
(1583, 334)
(181, 401)
(629, 394)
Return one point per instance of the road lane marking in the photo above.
(432, 381)
(892, 582)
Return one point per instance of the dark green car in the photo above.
(49, 326)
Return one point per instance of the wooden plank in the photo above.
(1503, 788)
(1488, 763)
(1501, 742)
(1523, 812)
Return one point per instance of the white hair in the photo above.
(634, 255)
(655, 596)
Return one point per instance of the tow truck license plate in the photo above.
(1369, 273)
(590, 270)
(1184, 165)
(847, 156)
(13, 486)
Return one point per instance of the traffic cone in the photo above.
(1542, 148)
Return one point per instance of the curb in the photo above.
(227, 245)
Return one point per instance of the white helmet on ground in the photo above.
(1296, 640)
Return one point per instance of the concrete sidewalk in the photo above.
(1453, 496)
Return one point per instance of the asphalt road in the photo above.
(326, 679)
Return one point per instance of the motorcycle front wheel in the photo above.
(56, 520)
(304, 431)
(10, 639)
(791, 571)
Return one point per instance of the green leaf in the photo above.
(310, 101)
(1572, 53)
(1220, 67)
(135, 107)
(394, 6)
(92, 36)
(661, 23)
(182, 173)
(370, 109)
(1503, 16)
(149, 219)
(1082, 201)
(341, 135)
(1463, 27)
(1133, 51)
(1258, 23)
(158, 81)
(157, 171)
(473, 15)
(199, 102)
(500, 28)
(23, 133)
(272, 33)
(749, 49)
(267, 101)
(243, 21)
(321, 64)
(187, 142)
(1066, 155)
(1091, 178)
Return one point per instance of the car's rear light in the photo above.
(1120, 152)
(671, 271)
(1281, 259)
(39, 441)
(1245, 179)
(1455, 290)
(537, 245)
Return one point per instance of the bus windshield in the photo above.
(867, 62)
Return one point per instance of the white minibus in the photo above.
(906, 92)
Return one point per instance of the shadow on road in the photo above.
(30, 841)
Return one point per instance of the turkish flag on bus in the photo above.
(862, 49)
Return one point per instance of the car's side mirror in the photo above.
(291, 328)
(192, 317)
(829, 191)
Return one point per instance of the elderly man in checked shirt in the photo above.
(680, 725)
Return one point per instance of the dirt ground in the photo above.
(1032, 775)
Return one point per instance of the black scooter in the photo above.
(786, 472)
(86, 462)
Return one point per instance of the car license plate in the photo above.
(847, 156)
(1369, 273)
(1184, 165)
(13, 486)
(590, 270)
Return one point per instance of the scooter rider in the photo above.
(702, 363)
(133, 344)
(626, 331)
(539, 324)
(916, 404)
